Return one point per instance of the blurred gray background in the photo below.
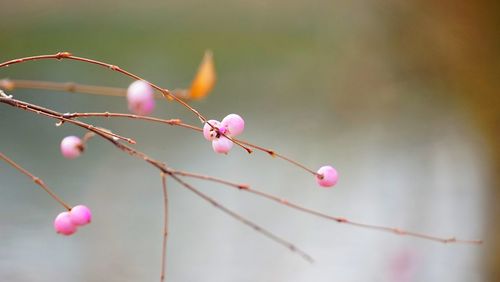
(402, 98)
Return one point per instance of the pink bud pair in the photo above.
(66, 223)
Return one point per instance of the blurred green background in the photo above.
(401, 96)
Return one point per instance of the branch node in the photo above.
(243, 186)
(63, 55)
(37, 180)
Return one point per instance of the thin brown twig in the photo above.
(273, 153)
(165, 228)
(247, 222)
(43, 111)
(160, 166)
(165, 92)
(87, 136)
(67, 55)
(122, 115)
(35, 179)
(12, 84)
(178, 122)
(287, 203)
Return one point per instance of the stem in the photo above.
(11, 84)
(67, 55)
(245, 221)
(165, 228)
(157, 164)
(273, 153)
(121, 115)
(50, 113)
(35, 179)
(178, 122)
(289, 204)
(165, 92)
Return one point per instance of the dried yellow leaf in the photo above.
(204, 80)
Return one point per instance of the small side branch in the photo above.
(338, 219)
(12, 84)
(61, 117)
(179, 123)
(165, 92)
(245, 221)
(35, 179)
(165, 228)
(158, 165)
(68, 56)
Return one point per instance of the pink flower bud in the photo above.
(80, 215)
(222, 145)
(327, 176)
(208, 131)
(71, 147)
(140, 97)
(234, 123)
(63, 224)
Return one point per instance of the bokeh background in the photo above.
(401, 96)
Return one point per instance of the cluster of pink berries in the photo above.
(233, 125)
(140, 97)
(66, 223)
(217, 132)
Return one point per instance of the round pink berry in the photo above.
(208, 131)
(80, 215)
(140, 97)
(71, 147)
(222, 145)
(63, 224)
(327, 176)
(234, 123)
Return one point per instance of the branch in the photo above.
(165, 92)
(35, 179)
(245, 221)
(157, 164)
(11, 84)
(285, 202)
(247, 188)
(178, 122)
(165, 228)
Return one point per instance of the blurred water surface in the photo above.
(365, 86)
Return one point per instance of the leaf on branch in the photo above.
(204, 79)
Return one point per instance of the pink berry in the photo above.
(222, 145)
(208, 131)
(63, 224)
(80, 215)
(71, 147)
(234, 123)
(327, 176)
(140, 97)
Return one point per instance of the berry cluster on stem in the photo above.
(140, 96)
